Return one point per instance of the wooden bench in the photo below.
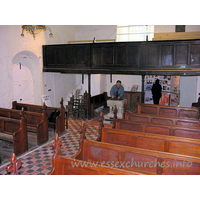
(60, 120)
(164, 129)
(162, 119)
(171, 144)
(67, 166)
(96, 101)
(15, 131)
(172, 111)
(136, 159)
(36, 122)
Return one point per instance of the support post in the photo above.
(89, 95)
(82, 78)
(142, 99)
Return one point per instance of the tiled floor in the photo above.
(39, 160)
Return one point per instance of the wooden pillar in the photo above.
(89, 95)
(82, 78)
(110, 78)
(143, 79)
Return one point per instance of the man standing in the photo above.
(156, 92)
(117, 91)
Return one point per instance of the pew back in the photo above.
(163, 119)
(15, 131)
(165, 129)
(172, 144)
(60, 120)
(36, 122)
(139, 160)
(69, 166)
(172, 111)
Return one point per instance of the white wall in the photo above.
(188, 90)
(100, 32)
(12, 50)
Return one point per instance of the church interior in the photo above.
(56, 107)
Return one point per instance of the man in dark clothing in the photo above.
(117, 91)
(156, 92)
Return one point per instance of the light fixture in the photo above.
(35, 29)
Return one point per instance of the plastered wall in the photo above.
(15, 49)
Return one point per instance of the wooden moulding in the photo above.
(14, 166)
(163, 119)
(176, 36)
(56, 146)
(82, 131)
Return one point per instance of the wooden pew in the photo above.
(164, 129)
(136, 159)
(162, 119)
(171, 144)
(15, 131)
(60, 120)
(67, 166)
(36, 122)
(96, 101)
(172, 111)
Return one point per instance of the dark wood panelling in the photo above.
(50, 56)
(167, 55)
(107, 55)
(70, 56)
(138, 58)
(121, 55)
(133, 56)
(60, 56)
(96, 56)
(131, 98)
(195, 54)
(153, 55)
(181, 54)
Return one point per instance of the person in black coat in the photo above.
(156, 92)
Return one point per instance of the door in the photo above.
(22, 84)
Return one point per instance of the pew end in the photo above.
(14, 166)
(82, 131)
(101, 125)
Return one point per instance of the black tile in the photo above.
(40, 169)
(30, 171)
(29, 162)
(28, 166)
(39, 165)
